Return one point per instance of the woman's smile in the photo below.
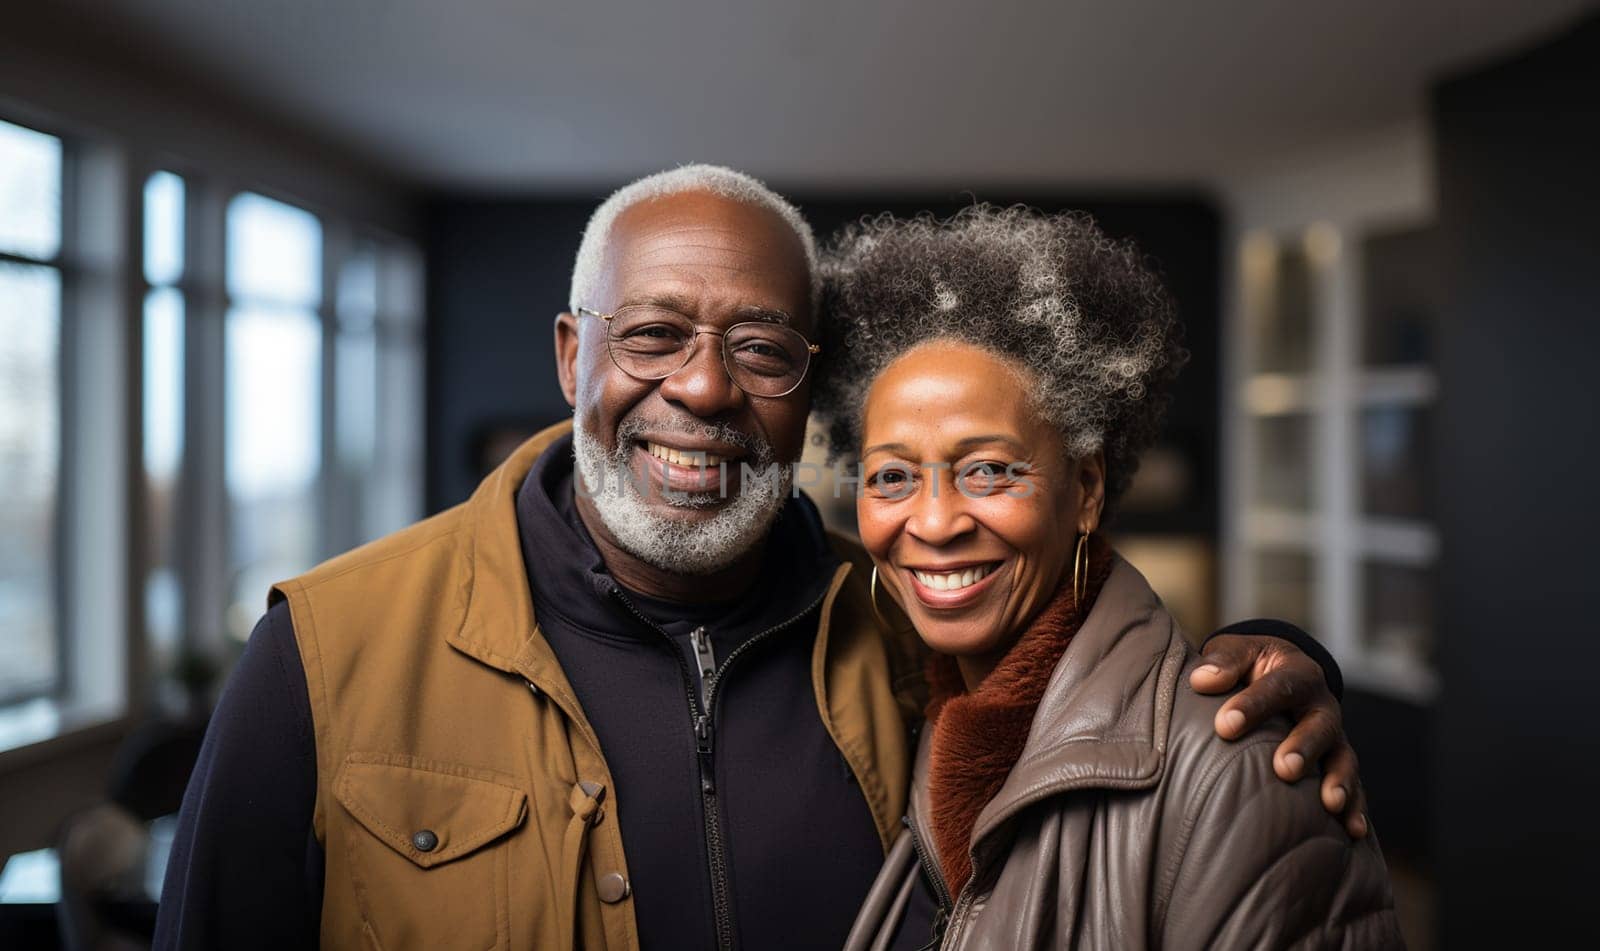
(952, 586)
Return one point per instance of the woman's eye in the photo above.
(979, 479)
(893, 482)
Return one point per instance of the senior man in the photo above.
(614, 699)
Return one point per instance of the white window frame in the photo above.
(1329, 199)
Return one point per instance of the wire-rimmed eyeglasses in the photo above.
(651, 342)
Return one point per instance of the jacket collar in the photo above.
(1104, 717)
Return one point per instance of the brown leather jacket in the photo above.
(1128, 823)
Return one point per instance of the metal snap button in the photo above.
(424, 840)
(613, 888)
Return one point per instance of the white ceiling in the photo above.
(513, 94)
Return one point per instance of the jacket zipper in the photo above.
(941, 918)
(704, 719)
(704, 658)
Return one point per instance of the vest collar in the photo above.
(497, 626)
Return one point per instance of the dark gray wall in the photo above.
(498, 272)
(1519, 153)
(497, 277)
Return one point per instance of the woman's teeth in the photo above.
(954, 580)
(708, 460)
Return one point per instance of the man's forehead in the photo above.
(699, 238)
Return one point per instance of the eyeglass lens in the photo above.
(763, 359)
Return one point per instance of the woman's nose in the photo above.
(702, 386)
(939, 515)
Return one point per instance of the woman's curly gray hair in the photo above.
(1085, 317)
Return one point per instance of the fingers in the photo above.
(1317, 733)
(1287, 690)
(1342, 793)
(1355, 820)
(1226, 661)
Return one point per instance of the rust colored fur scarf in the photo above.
(978, 736)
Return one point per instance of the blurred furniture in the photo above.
(98, 889)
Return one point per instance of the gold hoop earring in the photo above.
(872, 595)
(1080, 571)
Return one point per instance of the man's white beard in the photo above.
(685, 546)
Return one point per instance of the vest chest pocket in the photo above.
(425, 850)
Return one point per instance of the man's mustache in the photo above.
(632, 428)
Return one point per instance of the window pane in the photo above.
(1283, 467)
(357, 408)
(1401, 283)
(274, 252)
(274, 433)
(163, 456)
(400, 296)
(29, 459)
(1399, 615)
(1395, 459)
(1284, 337)
(396, 496)
(358, 289)
(30, 192)
(163, 228)
(163, 383)
(1284, 585)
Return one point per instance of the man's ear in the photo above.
(1092, 483)
(567, 356)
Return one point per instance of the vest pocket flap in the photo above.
(428, 811)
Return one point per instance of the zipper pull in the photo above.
(941, 922)
(704, 659)
(703, 739)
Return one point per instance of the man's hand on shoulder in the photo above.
(1282, 678)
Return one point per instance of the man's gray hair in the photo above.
(715, 179)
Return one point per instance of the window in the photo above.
(273, 398)
(31, 658)
(163, 409)
(297, 494)
(378, 403)
(63, 636)
(278, 402)
(1330, 403)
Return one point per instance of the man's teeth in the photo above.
(954, 580)
(709, 460)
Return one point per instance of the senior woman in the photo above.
(997, 375)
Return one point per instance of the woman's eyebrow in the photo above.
(1010, 442)
(963, 445)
